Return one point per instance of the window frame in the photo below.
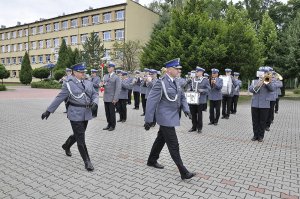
(104, 33)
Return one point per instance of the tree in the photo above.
(63, 57)
(41, 73)
(128, 53)
(26, 70)
(92, 51)
(4, 74)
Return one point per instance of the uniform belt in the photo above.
(79, 105)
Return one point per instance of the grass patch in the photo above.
(244, 98)
(292, 94)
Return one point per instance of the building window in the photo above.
(14, 35)
(74, 23)
(41, 44)
(120, 15)
(85, 21)
(120, 34)
(95, 19)
(65, 25)
(83, 38)
(3, 49)
(3, 61)
(8, 35)
(15, 47)
(8, 48)
(48, 27)
(41, 29)
(26, 46)
(56, 42)
(48, 58)
(74, 40)
(33, 45)
(107, 17)
(66, 40)
(20, 60)
(3, 36)
(41, 59)
(14, 60)
(33, 31)
(48, 43)
(20, 47)
(20, 33)
(33, 59)
(56, 26)
(26, 32)
(8, 60)
(107, 36)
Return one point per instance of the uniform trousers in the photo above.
(259, 120)
(235, 100)
(136, 96)
(197, 119)
(271, 113)
(129, 96)
(143, 96)
(214, 111)
(123, 109)
(277, 105)
(167, 135)
(110, 114)
(226, 105)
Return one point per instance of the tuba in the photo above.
(278, 76)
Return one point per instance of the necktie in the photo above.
(82, 84)
(175, 84)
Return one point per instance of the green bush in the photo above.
(41, 73)
(46, 84)
(2, 88)
(296, 91)
(59, 74)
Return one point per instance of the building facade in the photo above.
(42, 39)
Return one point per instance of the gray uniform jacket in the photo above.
(215, 92)
(149, 87)
(143, 87)
(182, 83)
(76, 113)
(125, 86)
(274, 94)
(166, 112)
(262, 98)
(96, 82)
(278, 86)
(112, 87)
(203, 87)
(136, 84)
(237, 88)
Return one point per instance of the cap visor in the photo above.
(179, 67)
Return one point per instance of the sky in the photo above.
(27, 11)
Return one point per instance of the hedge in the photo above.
(46, 84)
(3, 88)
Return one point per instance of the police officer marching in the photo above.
(83, 103)
(227, 93)
(112, 85)
(95, 79)
(236, 92)
(262, 89)
(215, 97)
(136, 83)
(199, 85)
(144, 90)
(164, 102)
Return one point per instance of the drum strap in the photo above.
(197, 82)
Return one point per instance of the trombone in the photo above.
(266, 79)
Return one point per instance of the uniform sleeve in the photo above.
(62, 96)
(95, 96)
(184, 104)
(152, 101)
(96, 83)
(206, 88)
(251, 87)
(118, 89)
(271, 86)
(219, 84)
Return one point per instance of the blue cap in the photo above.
(236, 74)
(124, 73)
(111, 65)
(94, 70)
(206, 75)
(214, 70)
(175, 63)
(152, 71)
(78, 67)
(118, 71)
(199, 69)
(137, 72)
(264, 69)
(68, 70)
(228, 70)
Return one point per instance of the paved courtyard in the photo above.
(229, 165)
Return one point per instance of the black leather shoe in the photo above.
(123, 121)
(223, 117)
(111, 129)
(268, 129)
(65, 111)
(143, 114)
(191, 130)
(227, 117)
(156, 165)
(260, 139)
(188, 175)
(199, 131)
(254, 138)
(89, 166)
(106, 128)
(68, 151)
(215, 124)
(276, 112)
(210, 123)
(119, 120)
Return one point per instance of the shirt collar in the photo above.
(172, 79)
